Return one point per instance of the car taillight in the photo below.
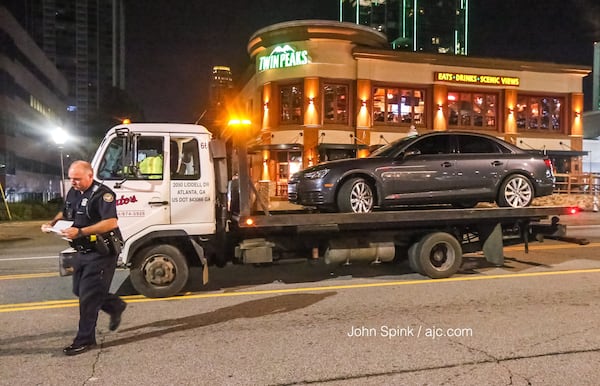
(548, 163)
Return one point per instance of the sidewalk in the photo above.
(21, 230)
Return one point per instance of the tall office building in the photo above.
(86, 41)
(221, 85)
(33, 94)
(434, 26)
(220, 93)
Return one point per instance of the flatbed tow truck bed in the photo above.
(421, 234)
(400, 218)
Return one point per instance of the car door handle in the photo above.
(158, 203)
(497, 163)
(446, 164)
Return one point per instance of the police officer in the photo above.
(92, 208)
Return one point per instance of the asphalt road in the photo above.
(532, 322)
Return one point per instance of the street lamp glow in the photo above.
(59, 135)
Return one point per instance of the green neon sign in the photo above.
(283, 57)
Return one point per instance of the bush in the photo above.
(32, 210)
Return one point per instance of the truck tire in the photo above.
(439, 255)
(516, 191)
(413, 260)
(355, 195)
(159, 271)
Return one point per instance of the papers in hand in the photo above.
(60, 226)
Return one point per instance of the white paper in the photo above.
(61, 225)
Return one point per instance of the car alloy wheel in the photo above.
(356, 195)
(516, 192)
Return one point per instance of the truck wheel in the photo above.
(159, 271)
(413, 260)
(439, 255)
(516, 192)
(356, 195)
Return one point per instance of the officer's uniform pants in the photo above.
(92, 277)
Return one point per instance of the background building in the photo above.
(33, 96)
(86, 42)
(220, 93)
(435, 26)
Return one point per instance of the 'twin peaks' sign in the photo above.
(282, 57)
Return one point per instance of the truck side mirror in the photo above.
(218, 152)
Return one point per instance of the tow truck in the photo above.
(186, 199)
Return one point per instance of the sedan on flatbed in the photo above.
(455, 168)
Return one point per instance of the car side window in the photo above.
(437, 144)
(471, 144)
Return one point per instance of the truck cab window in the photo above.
(185, 162)
(111, 166)
(150, 159)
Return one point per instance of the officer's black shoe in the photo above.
(75, 349)
(115, 319)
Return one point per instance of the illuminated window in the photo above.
(291, 104)
(335, 98)
(538, 113)
(472, 110)
(399, 106)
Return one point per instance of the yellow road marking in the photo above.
(28, 275)
(141, 299)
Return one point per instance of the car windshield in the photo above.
(391, 148)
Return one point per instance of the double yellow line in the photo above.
(29, 276)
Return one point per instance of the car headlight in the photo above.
(316, 174)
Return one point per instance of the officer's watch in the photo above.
(79, 233)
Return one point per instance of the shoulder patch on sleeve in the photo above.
(108, 197)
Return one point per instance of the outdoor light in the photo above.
(59, 135)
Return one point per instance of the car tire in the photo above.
(438, 255)
(516, 192)
(159, 271)
(356, 195)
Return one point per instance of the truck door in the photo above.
(192, 184)
(135, 170)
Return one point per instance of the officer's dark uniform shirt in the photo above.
(97, 203)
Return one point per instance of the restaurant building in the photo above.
(324, 90)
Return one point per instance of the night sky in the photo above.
(173, 44)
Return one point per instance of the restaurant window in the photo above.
(335, 97)
(291, 104)
(538, 113)
(472, 110)
(399, 106)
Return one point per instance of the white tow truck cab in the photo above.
(178, 207)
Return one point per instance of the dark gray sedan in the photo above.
(456, 168)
